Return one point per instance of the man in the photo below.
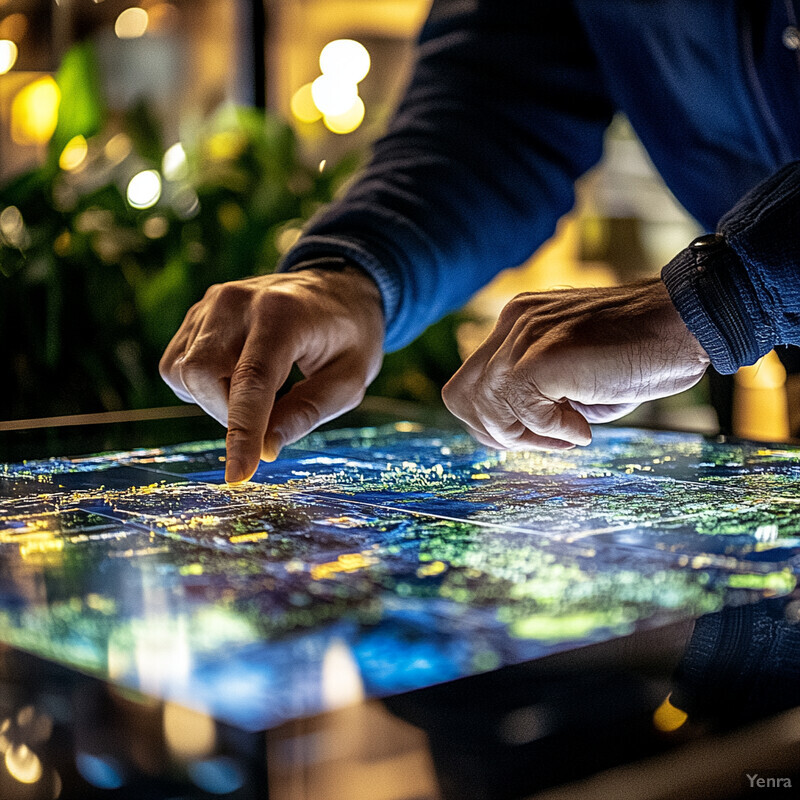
(507, 107)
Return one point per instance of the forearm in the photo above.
(478, 163)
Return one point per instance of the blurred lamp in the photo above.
(347, 122)
(345, 59)
(333, 96)
(174, 164)
(34, 112)
(8, 55)
(131, 23)
(303, 106)
(74, 154)
(144, 189)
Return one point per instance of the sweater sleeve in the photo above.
(506, 108)
(740, 293)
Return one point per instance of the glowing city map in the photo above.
(371, 561)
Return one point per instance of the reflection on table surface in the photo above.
(370, 562)
(373, 561)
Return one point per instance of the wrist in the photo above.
(712, 292)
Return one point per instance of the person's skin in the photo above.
(554, 362)
(557, 361)
(236, 347)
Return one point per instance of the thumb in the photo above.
(572, 425)
(336, 388)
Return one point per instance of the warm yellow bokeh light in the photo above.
(144, 189)
(668, 718)
(118, 148)
(34, 112)
(347, 122)
(14, 27)
(162, 17)
(303, 106)
(131, 23)
(226, 145)
(189, 734)
(74, 154)
(174, 164)
(156, 227)
(333, 96)
(8, 55)
(345, 60)
(23, 764)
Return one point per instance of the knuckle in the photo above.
(213, 290)
(516, 306)
(449, 395)
(228, 295)
(281, 303)
(249, 375)
(165, 366)
(306, 414)
(193, 365)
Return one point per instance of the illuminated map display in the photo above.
(372, 561)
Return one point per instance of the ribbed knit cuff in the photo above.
(319, 252)
(712, 292)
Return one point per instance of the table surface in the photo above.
(371, 561)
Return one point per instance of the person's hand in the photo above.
(557, 361)
(237, 346)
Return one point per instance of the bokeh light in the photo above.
(667, 717)
(34, 112)
(220, 775)
(23, 764)
(118, 148)
(333, 96)
(303, 106)
(14, 27)
(347, 122)
(156, 227)
(8, 55)
(345, 60)
(131, 23)
(162, 18)
(189, 734)
(12, 226)
(144, 189)
(174, 164)
(101, 771)
(74, 153)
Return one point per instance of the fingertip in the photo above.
(273, 443)
(577, 429)
(235, 471)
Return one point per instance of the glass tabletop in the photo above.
(369, 561)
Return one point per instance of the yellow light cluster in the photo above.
(34, 112)
(333, 96)
(348, 562)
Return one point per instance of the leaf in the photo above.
(82, 109)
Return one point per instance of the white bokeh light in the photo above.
(144, 189)
(345, 59)
(174, 165)
(8, 55)
(333, 96)
(131, 23)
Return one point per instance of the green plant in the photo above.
(96, 288)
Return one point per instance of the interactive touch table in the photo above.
(368, 562)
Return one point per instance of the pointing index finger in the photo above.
(263, 366)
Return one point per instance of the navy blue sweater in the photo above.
(507, 107)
